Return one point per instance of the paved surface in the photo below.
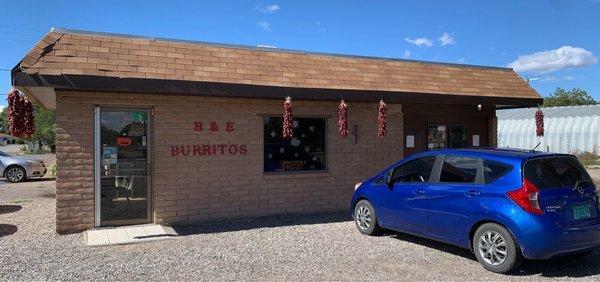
(128, 234)
(323, 247)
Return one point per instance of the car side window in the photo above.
(459, 169)
(417, 170)
(494, 170)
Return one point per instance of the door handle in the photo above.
(473, 193)
(419, 191)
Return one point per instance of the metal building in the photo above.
(567, 129)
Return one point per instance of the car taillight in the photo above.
(527, 197)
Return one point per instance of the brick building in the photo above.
(171, 131)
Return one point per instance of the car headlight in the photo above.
(32, 162)
(357, 185)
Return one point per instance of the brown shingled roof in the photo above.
(98, 54)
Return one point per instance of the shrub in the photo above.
(588, 159)
(53, 170)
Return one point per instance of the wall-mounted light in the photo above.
(479, 107)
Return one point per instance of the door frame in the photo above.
(149, 169)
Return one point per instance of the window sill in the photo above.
(296, 174)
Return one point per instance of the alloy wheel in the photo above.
(15, 174)
(492, 248)
(363, 217)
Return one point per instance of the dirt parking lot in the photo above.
(320, 247)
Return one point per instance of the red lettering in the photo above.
(198, 126)
(206, 150)
(184, 151)
(213, 126)
(197, 151)
(229, 126)
(174, 151)
(222, 148)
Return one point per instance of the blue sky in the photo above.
(555, 41)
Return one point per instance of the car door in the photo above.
(404, 203)
(455, 194)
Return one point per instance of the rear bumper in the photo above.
(546, 243)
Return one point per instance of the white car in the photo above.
(17, 169)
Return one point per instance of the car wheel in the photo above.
(496, 249)
(15, 174)
(366, 218)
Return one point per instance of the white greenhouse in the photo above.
(567, 129)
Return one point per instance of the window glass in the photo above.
(436, 136)
(304, 152)
(493, 170)
(459, 169)
(417, 170)
(458, 136)
(556, 172)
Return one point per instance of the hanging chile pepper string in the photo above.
(382, 120)
(287, 118)
(343, 119)
(539, 123)
(21, 119)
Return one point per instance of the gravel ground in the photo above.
(320, 247)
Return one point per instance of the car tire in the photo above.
(496, 249)
(15, 174)
(366, 218)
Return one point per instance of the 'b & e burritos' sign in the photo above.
(210, 149)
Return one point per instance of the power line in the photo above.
(19, 33)
(22, 28)
(15, 39)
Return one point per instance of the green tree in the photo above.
(4, 121)
(44, 127)
(573, 97)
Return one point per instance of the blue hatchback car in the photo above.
(503, 204)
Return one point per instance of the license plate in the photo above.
(581, 212)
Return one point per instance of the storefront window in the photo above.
(304, 152)
(458, 136)
(441, 136)
(436, 136)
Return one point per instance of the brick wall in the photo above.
(217, 187)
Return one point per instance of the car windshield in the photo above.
(3, 154)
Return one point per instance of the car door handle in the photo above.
(419, 191)
(473, 193)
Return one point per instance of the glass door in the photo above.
(122, 178)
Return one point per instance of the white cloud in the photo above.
(421, 41)
(564, 78)
(446, 39)
(406, 54)
(461, 60)
(565, 57)
(321, 27)
(269, 9)
(1, 108)
(549, 78)
(264, 25)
